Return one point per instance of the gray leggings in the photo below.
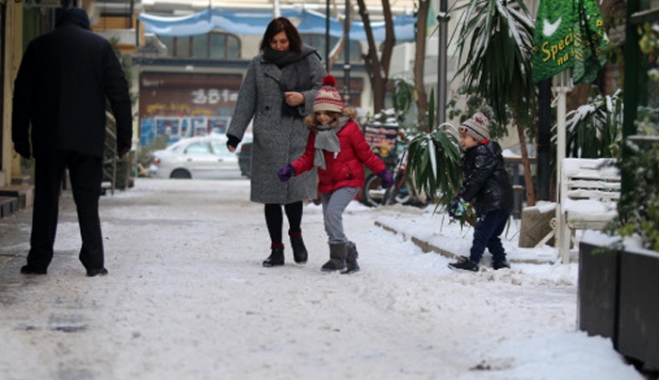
(333, 206)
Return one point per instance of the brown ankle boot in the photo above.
(337, 259)
(351, 259)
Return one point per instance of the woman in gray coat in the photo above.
(277, 93)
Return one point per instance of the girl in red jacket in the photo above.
(337, 148)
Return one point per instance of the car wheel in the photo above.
(180, 174)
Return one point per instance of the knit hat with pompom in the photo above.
(328, 98)
(478, 126)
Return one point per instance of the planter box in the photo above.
(617, 298)
(638, 331)
(597, 307)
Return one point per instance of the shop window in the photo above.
(214, 45)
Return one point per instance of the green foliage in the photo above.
(126, 68)
(434, 160)
(145, 153)
(496, 43)
(403, 95)
(594, 130)
(638, 209)
(649, 44)
(647, 121)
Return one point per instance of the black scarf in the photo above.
(294, 73)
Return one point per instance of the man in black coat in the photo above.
(62, 85)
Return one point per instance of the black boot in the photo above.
(337, 259)
(352, 265)
(299, 250)
(276, 258)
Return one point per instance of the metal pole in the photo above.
(346, 66)
(276, 8)
(327, 36)
(443, 19)
(544, 139)
(562, 85)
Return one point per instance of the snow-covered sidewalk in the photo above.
(187, 298)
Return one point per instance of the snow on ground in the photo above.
(187, 298)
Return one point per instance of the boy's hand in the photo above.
(457, 208)
(285, 172)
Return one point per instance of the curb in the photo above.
(427, 247)
(424, 245)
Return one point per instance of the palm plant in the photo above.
(434, 160)
(594, 130)
(495, 41)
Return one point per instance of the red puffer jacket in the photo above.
(346, 169)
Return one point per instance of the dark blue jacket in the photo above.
(486, 184)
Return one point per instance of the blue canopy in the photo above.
(255, 22)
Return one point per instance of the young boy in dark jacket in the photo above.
(487, 187)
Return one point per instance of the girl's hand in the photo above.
(293, 98)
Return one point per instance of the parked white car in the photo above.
(203, 157)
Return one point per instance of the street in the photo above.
(187, 298)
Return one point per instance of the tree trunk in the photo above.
(420, 64)
(378, 70)
(528, 175)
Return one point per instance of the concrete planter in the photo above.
(598, 290)
(617, 299)
(638, 325)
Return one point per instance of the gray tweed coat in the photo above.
(278, 139)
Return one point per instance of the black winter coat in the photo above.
(62, 85)
(486, 184)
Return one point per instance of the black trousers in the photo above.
(274, 219)
(86, 174)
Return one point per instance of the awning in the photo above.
(255, 23)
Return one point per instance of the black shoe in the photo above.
(299, 250)
(276, 258)
(464, 264)
(97, 272)
(26, 269)
(500, 265)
